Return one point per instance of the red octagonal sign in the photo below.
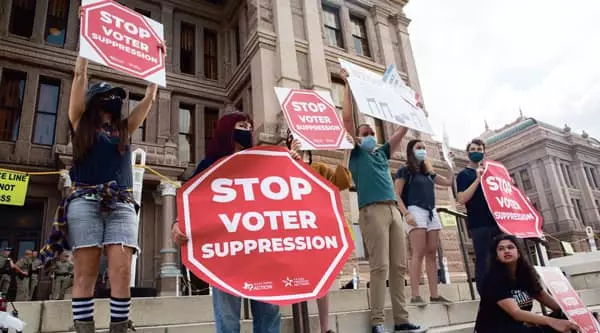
(264, 226)
(313, 118)
(122, 39)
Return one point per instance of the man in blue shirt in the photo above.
(379, 218)
(480, 221)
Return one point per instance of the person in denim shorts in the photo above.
(232, 134)
(415, 186)
(101, 211)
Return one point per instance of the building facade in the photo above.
(558, 170)
(221, 53)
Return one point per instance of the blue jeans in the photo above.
(482, 241)
(266, 317)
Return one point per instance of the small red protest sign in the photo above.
(511, 209)
(264, 226)
(568, 299)
(312, 118)
(120, 38)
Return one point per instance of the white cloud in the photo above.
(482, 59)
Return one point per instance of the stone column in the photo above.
(166, 18)
(558, 195)
(72, 33)
(590, 214)
(408, 61)
(316, 49)
(39, 24)
(165, 117)
(386, 47)
(346, 29)
(539, 186)
(5, 7)
(169, 272)
(285, 44)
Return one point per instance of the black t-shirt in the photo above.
(491, 317)
(419, 189)
(478, 212)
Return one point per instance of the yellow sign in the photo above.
(447, 220)
(13, 187)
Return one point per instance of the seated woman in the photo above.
(508, 292)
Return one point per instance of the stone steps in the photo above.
(349, 313)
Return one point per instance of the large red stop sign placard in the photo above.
(264, 226)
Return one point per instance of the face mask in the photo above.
(112, 106)
(420, 154)
(368, 142)
(476, 156)
(243, 138)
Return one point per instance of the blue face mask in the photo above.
(476, 156)
(420, 154)
(368, 142)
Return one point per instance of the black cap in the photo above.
(103, 88)
(8, 249)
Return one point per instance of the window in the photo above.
(186, 133)
(359, 36)
(144, 12)
(12, 88)
(21, 17)
(238, 46)
(56, 21)
(211, 116)
(592, 177)
(140, 134)
(338, 88)
(525, 180)
(566, 171)
(188, 48)
(333, 28)
(210, 55)
(45, 114)
(578, 210)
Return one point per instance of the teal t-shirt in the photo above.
(371, 175)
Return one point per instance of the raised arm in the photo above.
(78, 90)
(466, 195)
(347, 115)
(396, 138)
(141, 110)
(447, 180)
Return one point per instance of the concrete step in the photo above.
(349, 312)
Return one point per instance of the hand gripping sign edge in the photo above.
(202, 271)
(85, 35)
(537, 221)
(291, 124)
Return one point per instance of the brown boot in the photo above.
(84, 326)
(121, 326)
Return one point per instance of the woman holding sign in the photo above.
(232, 134)
(101, 211)
(415, 186)
(342, 179)
(508, 292)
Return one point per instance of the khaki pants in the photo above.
(60, 286)
(4, 283)
(382, 230)
(23, 289)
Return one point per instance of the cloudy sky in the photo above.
(484, 59)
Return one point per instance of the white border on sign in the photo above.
(537, 218)
(198, 265)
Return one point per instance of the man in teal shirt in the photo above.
(380, 220)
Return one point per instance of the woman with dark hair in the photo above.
(415, 186)
(342, 179)
(232, 134)
(101, 211)
(508, 291)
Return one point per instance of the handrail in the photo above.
(461, 238)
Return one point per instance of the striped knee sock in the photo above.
(83, 308)
(119, 309)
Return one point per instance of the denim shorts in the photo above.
(89, 227)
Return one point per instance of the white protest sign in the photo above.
(446, 147)
(380, 100)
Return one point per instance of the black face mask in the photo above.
(112, 106)
(243, 138)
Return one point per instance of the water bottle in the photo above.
(355, 279)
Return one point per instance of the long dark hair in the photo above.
(288, 142)
(414, 166)
(223, 143)
(84, 136)
(525, 273)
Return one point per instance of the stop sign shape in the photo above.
(122, 39)
(312, 118)
(264, 226)
(512, 210)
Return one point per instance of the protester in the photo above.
(341, 178)
(415, 186)
(23, 268)
(62, 270)
(232, 134)
(508, 291)
(36, 269)
(101, 211)
(480, 221)
(379, 219)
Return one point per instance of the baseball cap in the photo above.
(103, 88)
